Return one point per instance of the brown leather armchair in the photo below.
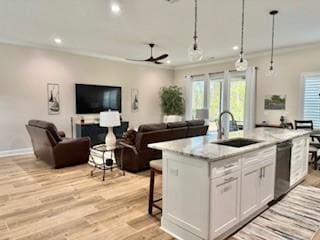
(51, 146)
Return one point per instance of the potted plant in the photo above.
(172, 103)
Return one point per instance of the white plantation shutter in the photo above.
(311, 101)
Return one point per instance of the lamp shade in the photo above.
(202, 113)
(110, 119)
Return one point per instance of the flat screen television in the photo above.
(96, 99)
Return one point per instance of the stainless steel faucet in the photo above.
(220, 128)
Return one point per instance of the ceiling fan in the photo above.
(152, 59)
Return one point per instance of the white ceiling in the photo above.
(89, 25)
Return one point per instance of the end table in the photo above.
(98, 159)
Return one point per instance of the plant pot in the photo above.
(172, 118)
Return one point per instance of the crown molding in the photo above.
(265, 53)
(82, 53)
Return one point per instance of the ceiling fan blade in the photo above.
(161, 57)
(156, 62)
(137, 60)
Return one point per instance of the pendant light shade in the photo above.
(195, 53)
(271, 70)
(241, 63)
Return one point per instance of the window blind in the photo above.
(311, 101)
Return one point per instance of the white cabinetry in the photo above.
(299, 160)
(240, 187)
(257, 184)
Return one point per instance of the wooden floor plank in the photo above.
(37, 202)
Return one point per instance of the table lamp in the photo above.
(110, 119)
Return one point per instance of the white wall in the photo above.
(289, 66)
(25, 72)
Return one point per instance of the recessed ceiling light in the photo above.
(115, 8)
(57, 40)
(235, 48)
(168, 61)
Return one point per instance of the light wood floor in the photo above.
(37, 202)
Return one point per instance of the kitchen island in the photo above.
(210, 190)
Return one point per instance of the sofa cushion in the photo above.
(176, 124)
(152, 127)
(195, 123)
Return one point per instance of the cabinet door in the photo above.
(250, 190)
(305, 158)
(267, 182)
(225, 196)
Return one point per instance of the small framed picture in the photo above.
(134, 100)
(53, 99)
(275, 102)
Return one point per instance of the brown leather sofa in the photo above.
(136, 154)
(52, 147)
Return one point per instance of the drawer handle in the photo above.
(230, 179)
(228, 166)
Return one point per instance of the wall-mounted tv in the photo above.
(96, 99)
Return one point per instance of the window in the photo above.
(237, 97)
(215, 101)
(228, 90)
(311, 99)
(197, 96)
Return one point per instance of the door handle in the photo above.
(264, 171)
(260, 175)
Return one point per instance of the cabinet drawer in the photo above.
(268, 153)
(225, 167)
(251, 159)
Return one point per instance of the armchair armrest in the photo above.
(61, 134)
(72, 151)
(133, 148)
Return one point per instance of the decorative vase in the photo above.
(172, 118)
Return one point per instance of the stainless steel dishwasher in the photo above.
(283, 166)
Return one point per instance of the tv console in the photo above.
(96, 133)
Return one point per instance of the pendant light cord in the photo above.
(195, 24)
(272, 41)
(242, 31)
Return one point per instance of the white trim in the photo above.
(264, 53)
(81, 53)
(16, 152)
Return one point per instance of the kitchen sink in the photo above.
(237, 142)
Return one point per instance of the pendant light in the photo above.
(271, 68)
(195, 53)
(241, 63)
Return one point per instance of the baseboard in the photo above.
(15, 152)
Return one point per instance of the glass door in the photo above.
(215, 101)
(237, 97)
(198, 96)
(224, 91)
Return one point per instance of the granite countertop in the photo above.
(203, 147)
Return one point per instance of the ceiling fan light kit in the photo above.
(242, 64)
(195, 53)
